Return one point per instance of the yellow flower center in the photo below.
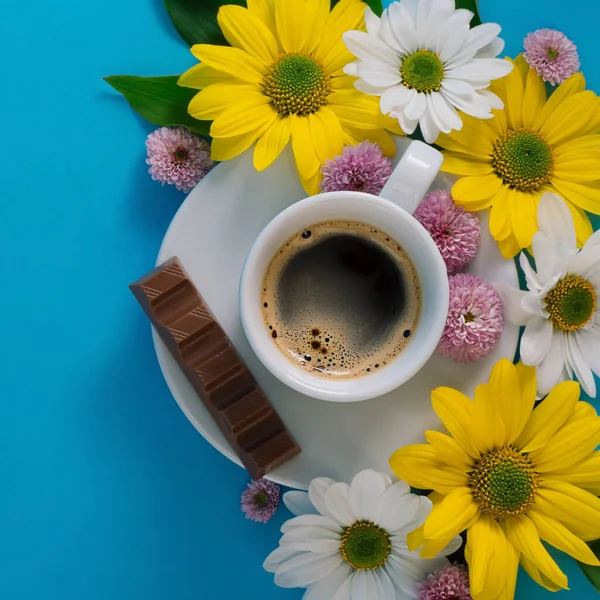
(297, 84)
(523, 160)
(503, 482)
(422, 71)
(571, 303)
(365, 546)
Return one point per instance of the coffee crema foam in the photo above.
(341, 299)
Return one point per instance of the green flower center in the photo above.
(571, 303)
(261, 499)
(180, 154)
(297, 85)
(552, 54)
(422, 71)
(365, 546)
(523, 160)
(503, 482)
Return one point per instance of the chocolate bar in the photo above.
(205, 354)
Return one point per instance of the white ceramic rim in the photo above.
(428, 263)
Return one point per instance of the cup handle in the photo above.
(412, 176)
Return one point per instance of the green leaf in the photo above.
(376, 5)
(592, 573)
(472, 6)
(159, 100)
(196, 20)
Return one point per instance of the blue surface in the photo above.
(106, 491)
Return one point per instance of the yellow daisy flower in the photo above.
(511, 475)
(534, 145)
(282, 79)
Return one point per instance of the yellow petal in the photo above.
(243, 29)
(513, 106)
(573, 85)
(569, 118)
(415, 539)
(319, 11)
(311, 184)
(560, 537)
(451, 515)
(353, 137)
(201, 76)
(234, 61)
(523, 535)
(355, 109)
(483, 538)
(227, 148)
(459, 164)
(448, 450)
(514, 402)
(271, 143)
(583, 195)
(535, 574)
(419, 466)
(304, 152)
(534, 98)
(338, 57)
(292, 26)
(575, 508)
(585, 474)
(326, 133)
(251, 113)
(578, 147)
(569, 445)
(509, 247)
(583, 226)
(475, 137)
(264, 10)
(346, 15)
(549, 416)
(214, 99)
(487, 429)
(523, 215)
(499, 223)
(522, 66)
(455, 411)
(578, 168)
(469, 191)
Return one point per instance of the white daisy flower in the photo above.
(560, 308)
(348, 542)
(425, 62)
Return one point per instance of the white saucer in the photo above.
(211, 235)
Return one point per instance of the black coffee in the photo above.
(341, 299)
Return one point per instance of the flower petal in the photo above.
(227, 148)
(234, 121)
(302, 570)
(580, 367)
(452, 515)
(369, 47)
(326, 133)
(298, 503)
(483, 538)
(569, 118)
(271, 143)
(346, 15)
(310, 520)
(304, 152)
(584, 474)
(447, 448)
(329, 585)
(390, 516)
(534, 98)
(229, 60)
(459, 164)
(536, 341)
(201, 76)
(355, 109)
(366, 490)
(555, 221)
(523, 207)
(573, 85)
(547, 418)
(372, 584)
(468, 191)
(317, 490)
(338, 504)
(293, 35)
(412, 510)
(511, 302)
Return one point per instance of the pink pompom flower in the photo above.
(178, 157)
(260, 500)
(455, 231)
(361, 168)
(451, 582)
(552, 54)
(475, 322)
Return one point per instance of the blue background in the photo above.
(106, 491)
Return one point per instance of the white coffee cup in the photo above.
(392, 213)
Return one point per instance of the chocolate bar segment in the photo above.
(203, 351)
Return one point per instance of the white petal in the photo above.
(546, 256)
(310, 520)
(325, 588)
(378, 74)
(452, 34)
(434, 119)
(477, 38)
(299, 504)
(589, 345)
(533, 284)
(424, 9)
(444, 9)
(368, 47)
(492, 49)
(586, 261)
(511, 303)
(429, 127)
(406, 572)
(338, 503)
(372, 21)
(370, 585)
(457, 86)
(366, 490)
(581, 368)
(408, 125)
(311, 539)
(446, 112)
(414, 510)
(416, 107)
(491, 100)
(352, 68)
(343, 592)
(395, 98)
(536, 341)
(278, 557)
(391, 514)
(593, 240)
(411, 7)
(316, 492)
(398, 30)
(550, 371)
(555, 220)
(455, 543)
(470, 104)
(305, 569)
(481, 69)
(371, 90)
